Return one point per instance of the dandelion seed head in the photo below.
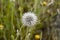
(29, 19)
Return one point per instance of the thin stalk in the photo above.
(35, 5)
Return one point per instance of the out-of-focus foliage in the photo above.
(11, 12)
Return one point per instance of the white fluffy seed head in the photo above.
(29, 19)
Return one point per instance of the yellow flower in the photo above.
(37, 36)
(44, 3)
(1, 26)
(20, 8)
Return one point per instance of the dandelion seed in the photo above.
(29, 19)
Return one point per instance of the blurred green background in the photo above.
(11, 12)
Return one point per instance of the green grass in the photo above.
(11, 14)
